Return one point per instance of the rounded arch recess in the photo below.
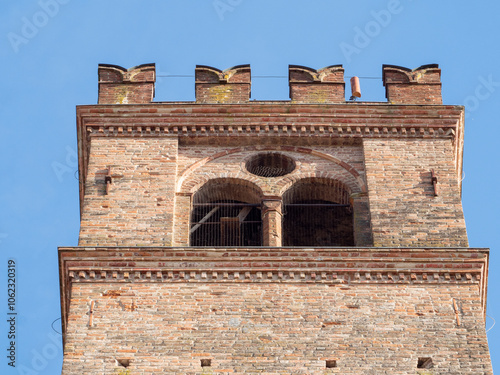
(317, 212)
(226, 212)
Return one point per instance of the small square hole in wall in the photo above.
(331, 363)
(424, 362)
(206, 362)
(123, 362)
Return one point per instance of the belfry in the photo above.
(309, 236)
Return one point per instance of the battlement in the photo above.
(222, 86)
(118, 85)
(136, 85)
(417, 86)
(316, 86)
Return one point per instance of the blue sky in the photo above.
(49, 52)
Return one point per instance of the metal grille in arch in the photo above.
(225, 214)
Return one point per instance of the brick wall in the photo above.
(139, 207)
(147, 172)
(275, 328)
(404, 210)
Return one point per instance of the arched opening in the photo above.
(317, 212)
(226, 213)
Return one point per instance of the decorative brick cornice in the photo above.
(415, 276)
(344, 266)
(257, 129)
(275, 119)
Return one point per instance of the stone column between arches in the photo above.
(272, 221)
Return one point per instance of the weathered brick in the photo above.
(406, 288)
(229, 86)
(120, 86)
(418, 86)
(316, 86)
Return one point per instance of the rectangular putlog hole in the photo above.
(424, 362)
(331, 363)
(206, 362)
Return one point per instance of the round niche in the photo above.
(270, 164)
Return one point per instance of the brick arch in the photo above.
(316, 222)
(193, 184)
(330, 188)
(242, 190)
(188, 182)
(344, 178)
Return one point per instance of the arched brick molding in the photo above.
(198, 174)
(343, 176)
(194, 183)
(249, 190)
(330, 188)
(188, 182)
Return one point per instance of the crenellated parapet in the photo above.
(118, 85)
(417, 86)
(136, 85)
(308, 85)
(232, 85)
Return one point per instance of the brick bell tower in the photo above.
(310, 236)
